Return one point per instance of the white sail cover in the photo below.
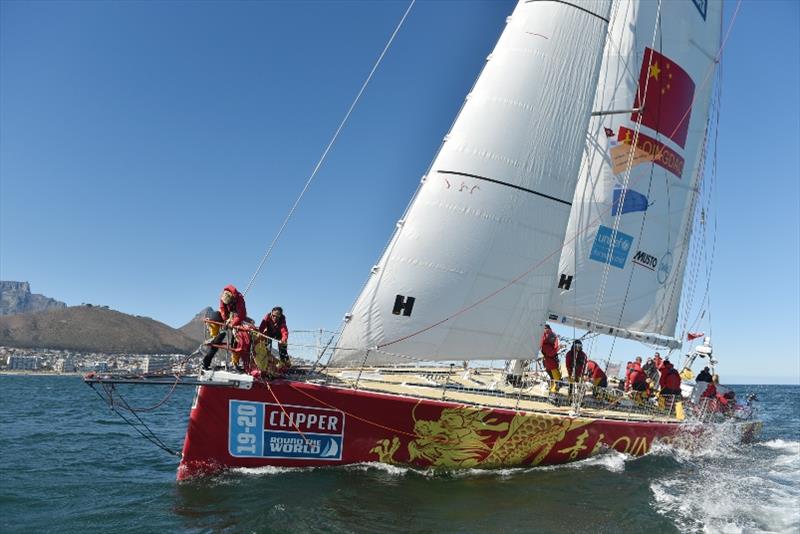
(468, 273)
(621, 270)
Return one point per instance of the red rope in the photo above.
(291, 421)
(367, 421)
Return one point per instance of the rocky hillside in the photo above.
(196, 328)
(92, 329)
(16, 297)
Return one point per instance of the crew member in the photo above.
(670, 381)
(638, 382)
(716, 401)
(658, 361)
(629, 369)
(233, 313)
(549, 348)
(598, 377)
(651, 370)
(576, 361)
(274, 326)
(704, 375)
(711, 390)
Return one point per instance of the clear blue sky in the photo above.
(150, 150)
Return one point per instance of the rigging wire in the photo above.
(327, 149)
(627, 178)
(578, 233)
(149, 435)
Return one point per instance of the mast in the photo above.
(467, 273)
(622, 267)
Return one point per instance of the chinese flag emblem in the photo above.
(667, 92)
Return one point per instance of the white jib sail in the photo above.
(622, 267)
(467, 274)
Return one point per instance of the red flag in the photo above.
(694, 335)
(668, 96)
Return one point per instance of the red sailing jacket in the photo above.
(578, 363)
(276, 330)
(236, 308)
(710, 392)
(637, 376)
(595, 371)
(549, 347)
(670, 378)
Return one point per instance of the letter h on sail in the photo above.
(403, 304)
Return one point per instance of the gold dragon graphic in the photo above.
(468, 437)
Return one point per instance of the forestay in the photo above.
(478, 249)
(622, 267)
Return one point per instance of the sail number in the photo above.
(246, 435)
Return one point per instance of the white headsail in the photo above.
(621, 270)
(468, 273)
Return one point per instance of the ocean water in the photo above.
(69, 464)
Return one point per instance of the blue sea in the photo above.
(69, 464)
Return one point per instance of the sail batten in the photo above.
(468, 274)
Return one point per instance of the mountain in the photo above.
(92, 329)
(16, 297)
(196, 328)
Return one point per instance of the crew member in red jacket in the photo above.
(232, 312)
(274, 326)
(638, 380)
(716, 401)
(598, 376)
(711, 389)
(658, 360)
(576, 361)
(629, 369)
(549, 348)
(670, 381)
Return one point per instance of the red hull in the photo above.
(298, 424)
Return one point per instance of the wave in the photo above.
(610, 460)
(792, 447)
(725, 487)
(613, 461)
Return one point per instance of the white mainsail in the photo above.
(468, 273)
(621, 270)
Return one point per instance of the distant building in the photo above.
(156, 364)
(101, 367)
(65, 365)
(28, 363)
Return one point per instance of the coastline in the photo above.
(23, 372)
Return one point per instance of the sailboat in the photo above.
(566, 192)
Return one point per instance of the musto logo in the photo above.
(264, 430)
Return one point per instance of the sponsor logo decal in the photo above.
(702, 7)
(265, 430)
(668, 97)
(664, 268)
(611, 251)
(647, 149)
(645, 260)
(633, 201)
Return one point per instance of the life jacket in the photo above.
(637, 376)
(710, 392)
(672, 380)
(549, 344)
